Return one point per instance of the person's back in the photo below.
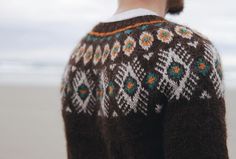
(144, 88)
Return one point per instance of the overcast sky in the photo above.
(45, 29)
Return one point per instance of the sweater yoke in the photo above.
(144, 88)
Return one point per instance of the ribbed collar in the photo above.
(124, 24)
(130, 14)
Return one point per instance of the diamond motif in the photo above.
(131, 95)
(106, 53)
(82, 98)
(97, 55)
(175, 64)
(88, 54)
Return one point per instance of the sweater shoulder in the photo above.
(188, 61)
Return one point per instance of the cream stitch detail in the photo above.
(80, 53)
(115, 50)
(88, 54)
(106, 53)
(205, 95)
(145, 41)
(129, 46)
(148, 56)
(97, 55)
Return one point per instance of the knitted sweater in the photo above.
(144, 88)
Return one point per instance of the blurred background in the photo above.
(36, 40)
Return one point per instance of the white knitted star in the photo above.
(158, 108)
(205, 95)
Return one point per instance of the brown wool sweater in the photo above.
(144, 88)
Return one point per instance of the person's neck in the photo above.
(158, 7)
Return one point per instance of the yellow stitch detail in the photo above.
(125, 28)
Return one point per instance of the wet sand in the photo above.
(32, 128)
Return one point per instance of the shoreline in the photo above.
(31, 124)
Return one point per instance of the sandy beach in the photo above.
(31, 124)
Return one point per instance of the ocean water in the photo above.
(35, 47)
(39, 72)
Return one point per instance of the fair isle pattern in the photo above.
(80, 53)
(158, 108)
(205, 95)
(83, 98)
(97, 55)
(129, 46)
(165, 35)
(177, 78)
(106, 53)
(137, 81)
(173, 76)
(88, 54)
(102, 94)
(132, 96)
(115, 50)
(213, 57)
(145, 41)
(183, 32)
(148, 55)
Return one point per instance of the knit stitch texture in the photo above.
(144, 88)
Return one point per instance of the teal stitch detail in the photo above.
(88, 38)
(157, 24)
(102, 39)
(118, 35)
(109, 38)
(128, 31)
(144, 27)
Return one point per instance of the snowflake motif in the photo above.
(68, 109)
(158, 108)
(114, 114)
(193, 44)
(112, 66)
(88, 54)
(97, 55)
(205, 95)
(148, 56)
(165, 35)
(115, 50)
(145, 41)
(129, 46)
(106, 53)
(184, 32)
(80, 53)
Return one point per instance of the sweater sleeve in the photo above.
(194, 125)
